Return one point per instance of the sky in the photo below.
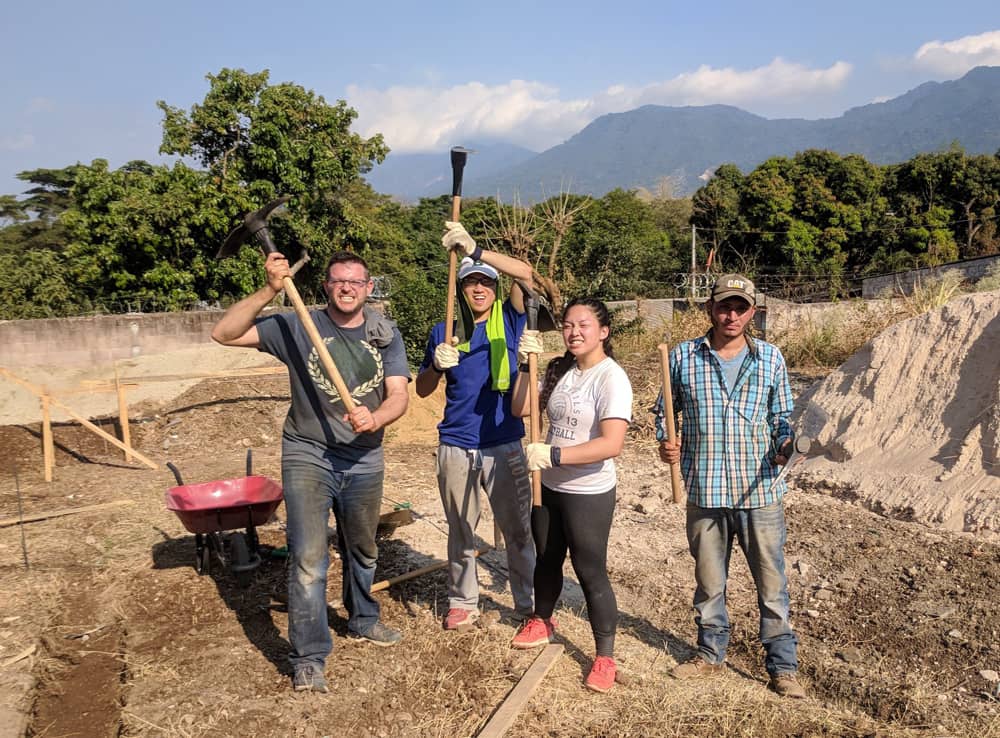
(82, 79)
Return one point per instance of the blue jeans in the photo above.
(310, 493)
(761, 534)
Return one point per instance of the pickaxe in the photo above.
(539, 514)
(254, 227)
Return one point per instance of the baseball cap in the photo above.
(468, 266)
(734, 285)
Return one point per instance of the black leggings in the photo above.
(580, 524)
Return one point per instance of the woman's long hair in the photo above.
(558, 367)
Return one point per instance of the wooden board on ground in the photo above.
(5, 522)
(508, 711)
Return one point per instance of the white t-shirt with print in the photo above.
(576, 407)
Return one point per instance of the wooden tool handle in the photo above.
(449, 311)
(535, 416)
(317, 341)
(668, 420)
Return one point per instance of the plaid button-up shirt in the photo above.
(729, 439)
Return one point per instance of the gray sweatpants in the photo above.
(501, 472)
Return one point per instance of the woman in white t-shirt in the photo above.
(587, 398)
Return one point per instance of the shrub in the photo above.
(990, 282)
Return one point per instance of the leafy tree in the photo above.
(615, 250)
(717, 211)
(267, 140)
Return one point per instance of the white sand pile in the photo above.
(911, 423)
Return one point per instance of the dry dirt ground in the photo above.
(110, 631)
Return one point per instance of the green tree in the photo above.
(266, 140)
(616, 251)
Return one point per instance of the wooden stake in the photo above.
(123, 416)
(518, 697)
(107, 436)
(48, 448)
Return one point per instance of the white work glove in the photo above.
(530, 343)
(458, 239)
(445, 357)
(539, 456)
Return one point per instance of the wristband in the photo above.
(477, 253)
(555, 455)
(523, 367)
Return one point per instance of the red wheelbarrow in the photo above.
(211, 508)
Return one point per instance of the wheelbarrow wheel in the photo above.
(203, 555)
(239, 556)
(204, 563)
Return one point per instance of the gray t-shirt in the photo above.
(731, 367)
(314, 431)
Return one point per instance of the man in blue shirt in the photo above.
(480, 438)
(732, 393)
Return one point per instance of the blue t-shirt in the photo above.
(476, 415)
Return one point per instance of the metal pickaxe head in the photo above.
(459, 154)
(539, 314)
(254, 226)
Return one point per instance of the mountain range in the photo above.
(684, 145)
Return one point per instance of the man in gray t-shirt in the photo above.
(331, 458)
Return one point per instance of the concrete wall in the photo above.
(103, 339)
(100, 339)
(897, 282)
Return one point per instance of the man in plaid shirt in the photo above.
(733, 396)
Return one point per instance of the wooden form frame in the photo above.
(120, 385)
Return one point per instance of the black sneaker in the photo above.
(380, 634)
(309, 678)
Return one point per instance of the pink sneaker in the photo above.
(602, 674)
(534, 633)
(460, 619)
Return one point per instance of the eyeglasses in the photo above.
(484, 281)
(355, 283)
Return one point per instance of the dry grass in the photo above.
(828, 341)
(931, 294)
(990, 282)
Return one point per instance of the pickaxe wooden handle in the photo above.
(459, 156)
(531, 305)
(676, 488)
(254, 225)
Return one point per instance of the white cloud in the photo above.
(959, 56)
(17, 143)
(533, 114)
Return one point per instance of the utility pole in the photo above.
(694, 264)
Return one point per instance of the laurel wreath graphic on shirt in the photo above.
(323, 382)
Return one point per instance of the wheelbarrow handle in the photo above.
(177, 474)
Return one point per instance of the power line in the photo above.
(879, 229)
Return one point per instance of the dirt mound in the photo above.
(910, 425)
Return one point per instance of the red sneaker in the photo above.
(534, 633)
(602, 674)
(460, 619)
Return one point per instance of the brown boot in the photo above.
(787, 685)
(696, 668)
